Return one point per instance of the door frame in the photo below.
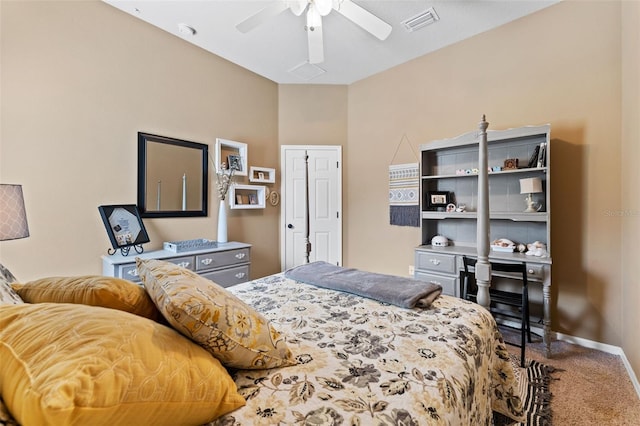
(283, 196)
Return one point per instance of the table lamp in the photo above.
(531, 186)
(13, 216)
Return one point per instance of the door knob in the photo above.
(290, 226)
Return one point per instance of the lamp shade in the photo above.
(530, 185)
(13, 216)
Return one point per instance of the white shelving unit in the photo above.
(247, 197)
(262, 174)
(226, 148)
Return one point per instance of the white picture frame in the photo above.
(226, 148)
(262, 174)
(247, 197)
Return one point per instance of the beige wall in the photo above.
(79, 80)
(630, 180)
(561, 66)
(312, 115)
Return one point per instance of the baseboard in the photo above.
(610, 349)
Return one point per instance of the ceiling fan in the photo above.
(316, 9)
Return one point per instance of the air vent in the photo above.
(307, 71)
(420, 20)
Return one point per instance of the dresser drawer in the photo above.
(449, 283)
(535, 272)
(129, 272)
(230, 276)
(187, 262)
(444, 263)
(221, 259)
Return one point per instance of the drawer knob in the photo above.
(240, 256)
(434, 282)
(206, 261)
(184, 264)
(531, 271)
(240, 275)
(434, 261)
(133, 272)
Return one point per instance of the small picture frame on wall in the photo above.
(124, 227)
(438, 200)
(235, 162)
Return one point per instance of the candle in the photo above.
(158, 195)
(184, 192)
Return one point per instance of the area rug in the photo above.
(534, 381)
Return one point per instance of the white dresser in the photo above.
(226, 265)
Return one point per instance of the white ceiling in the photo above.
(279, 46)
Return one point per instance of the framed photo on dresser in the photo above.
(124, 227)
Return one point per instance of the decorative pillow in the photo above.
(93, 290)
(5, 416)
(76, 364)
(7, 295)
(227, 327)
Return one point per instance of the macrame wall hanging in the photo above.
(404, 190)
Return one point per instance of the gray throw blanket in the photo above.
(399, 291)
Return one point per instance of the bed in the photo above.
(355, 360)
(361, 361)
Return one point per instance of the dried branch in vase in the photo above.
(225, 180)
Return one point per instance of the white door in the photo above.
(321, 167)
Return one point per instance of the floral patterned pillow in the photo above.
(8, 296)
(231, 330)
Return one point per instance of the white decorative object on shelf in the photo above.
(537, 249)
(504, 245)
(247, 197)
(232, 152)
(439, 241)
(262, 174)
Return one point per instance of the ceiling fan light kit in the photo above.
(316, 9)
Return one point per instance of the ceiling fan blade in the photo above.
(364, 18)
(316, 48)
(262, 16)
(297, 6)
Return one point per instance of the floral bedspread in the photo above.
(362, 362)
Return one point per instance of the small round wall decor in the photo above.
(274, 198)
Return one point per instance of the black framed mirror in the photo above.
(172, 177)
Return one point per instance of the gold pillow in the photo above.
(76, 364)
(227, 327)
(94, 290)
